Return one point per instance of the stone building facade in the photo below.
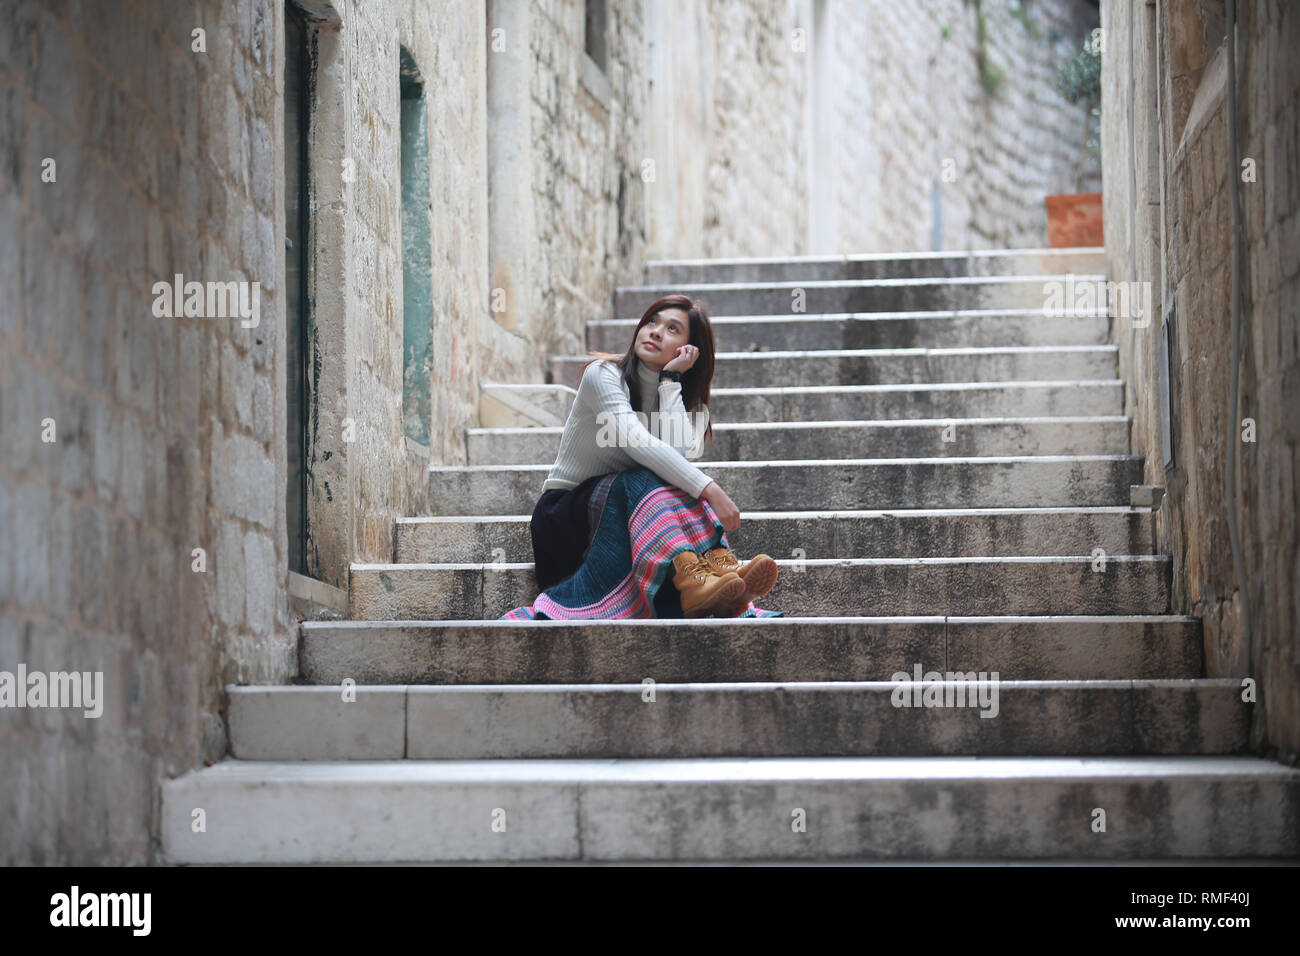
(178, 486)
(1168, 218)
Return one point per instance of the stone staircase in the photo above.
(942, 472)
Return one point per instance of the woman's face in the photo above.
(660, 338)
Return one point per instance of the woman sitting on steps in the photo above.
(627, 526)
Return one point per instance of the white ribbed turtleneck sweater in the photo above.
(604, 434)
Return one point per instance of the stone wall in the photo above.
(1168, 223)
(364, 473)
(167, 431)
(586, 121)
(1011, 137)
(567, 222)
(818, 127)
(145, 536)
(449, 44)
(726, 135)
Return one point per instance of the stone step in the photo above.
(854, 808)
(891, 366)
(1015, 482)
(529, 405)
(915, 533)
(1083, 647)
(937, 714)
(1042, 292)
(901, 438)
(898, 330)
(1066, 584)
(951, 400)
(889, 265)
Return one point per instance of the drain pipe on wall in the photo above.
(1234, 436)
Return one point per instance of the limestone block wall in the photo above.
(450, 46)
(918, 100)
(585, 120)
(565, 160)
(825, 127)
(757, 175)
(143, 457)
(726, 131)
(167, 431)
(1168, 222)
(359, 277)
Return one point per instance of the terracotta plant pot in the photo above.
(1074, 219)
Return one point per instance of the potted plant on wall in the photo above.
(1074, 219)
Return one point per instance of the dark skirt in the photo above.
(563, 525)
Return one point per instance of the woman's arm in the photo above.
(616, 418)
(677, 426)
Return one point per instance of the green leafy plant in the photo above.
(1079, 81)
(1079, 78)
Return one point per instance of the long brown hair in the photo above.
(697, 380)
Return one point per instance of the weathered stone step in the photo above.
(937, 714)
(945, 329)
(1068, 584)
(888, 265)
(524, 405)
(913, 533)
(950, 400)
(862, 295)
(1082, 647)
(900, 438)
(1016, 482)
(856, 808)
(891, 366)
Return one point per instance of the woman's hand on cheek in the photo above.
(682, 359)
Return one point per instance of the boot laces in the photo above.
(698, 568)
(725, 561)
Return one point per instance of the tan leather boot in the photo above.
(702, 589)
(759, 575)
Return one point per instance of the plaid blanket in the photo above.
(641, 525)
